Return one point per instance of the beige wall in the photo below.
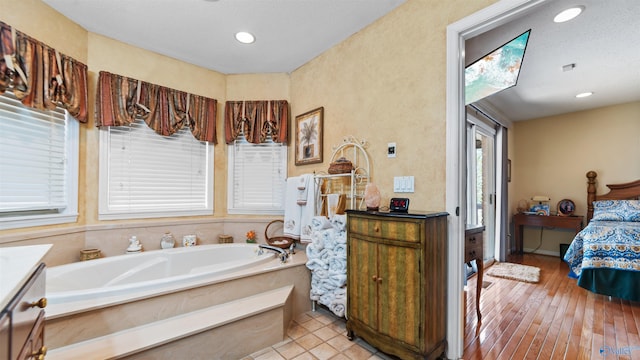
(387, 83)
(552, 155)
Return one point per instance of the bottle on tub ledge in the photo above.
(189, 240)
(134, 245)
(167, 241)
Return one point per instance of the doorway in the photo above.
(470, 26)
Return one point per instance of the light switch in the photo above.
(391, 150)
(403, 184)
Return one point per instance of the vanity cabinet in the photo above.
(22, 321)
(396, 281)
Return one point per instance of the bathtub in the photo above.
(98, 297)
(157, 269)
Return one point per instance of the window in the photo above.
(146, 175)
(38, 165)
(257, 178)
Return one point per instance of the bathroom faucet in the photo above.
(280, 253)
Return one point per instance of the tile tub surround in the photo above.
(113, 239)
(67, 326)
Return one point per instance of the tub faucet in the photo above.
(280, 253)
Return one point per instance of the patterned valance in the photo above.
(256, 118)
(120, 100)
(40, 76)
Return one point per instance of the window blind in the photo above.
(257, 178)
(149, 175)
(33, 157)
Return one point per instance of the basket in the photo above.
(283, 242)
(340, 166)
(225, 239)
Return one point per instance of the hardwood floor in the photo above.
(553, 319)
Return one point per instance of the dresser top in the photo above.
(413, 214)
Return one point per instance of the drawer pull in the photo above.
(376, 228)
(379, 280)
(374, 278)
(42, 303)
(473, 239)
(40, 354)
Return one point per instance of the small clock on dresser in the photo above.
(399, 205)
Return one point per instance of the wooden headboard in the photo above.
(626, 191)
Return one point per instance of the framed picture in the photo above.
(566, 207)
(309, 137)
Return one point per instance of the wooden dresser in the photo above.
(396, 282)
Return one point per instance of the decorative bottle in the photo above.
(167, 241)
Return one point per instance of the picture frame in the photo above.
(309, 137)
(565, 207)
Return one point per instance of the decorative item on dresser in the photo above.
(603, 257)
(396, 277)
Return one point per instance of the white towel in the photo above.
(303, 189)
(320, 223)
(339, 222)
(292, 210)
(308, 211)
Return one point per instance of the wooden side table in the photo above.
(552, 221)
(474, 250)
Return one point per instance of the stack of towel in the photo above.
(327, 260)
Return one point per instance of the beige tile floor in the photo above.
(319, 335)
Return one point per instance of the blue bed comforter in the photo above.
(605, 244)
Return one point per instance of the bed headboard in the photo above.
(626, 191)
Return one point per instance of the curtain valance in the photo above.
(120, 100)
(256, 118)
(40, 76)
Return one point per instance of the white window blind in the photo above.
(257, 178)
(144, 174)
(38, 165)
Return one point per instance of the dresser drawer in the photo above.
(26, 309)
(473, 247)
(405, 230)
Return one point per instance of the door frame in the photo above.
(470, 26)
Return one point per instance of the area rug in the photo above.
(526, 273)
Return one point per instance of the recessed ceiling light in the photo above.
(568, 14)
(245, 37)
(584, 94)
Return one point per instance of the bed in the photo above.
(605, 256)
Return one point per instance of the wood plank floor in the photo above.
(553, 319)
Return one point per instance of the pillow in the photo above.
(616, 210)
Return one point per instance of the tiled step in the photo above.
(135, 340)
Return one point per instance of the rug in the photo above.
(526, 273)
